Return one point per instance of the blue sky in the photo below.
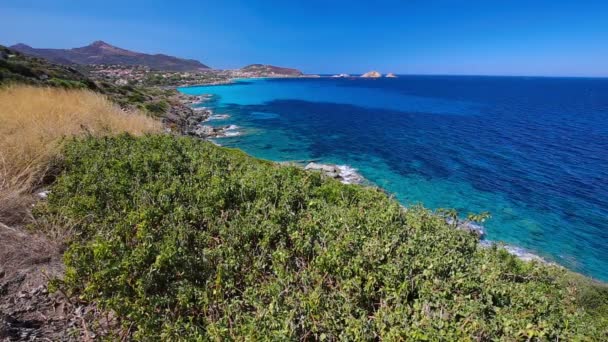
(501, 37)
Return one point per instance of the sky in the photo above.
(471, 37)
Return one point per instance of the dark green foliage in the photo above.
(19, 68)
(187, 240)
(157, 107)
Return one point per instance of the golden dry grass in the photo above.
(33, 122)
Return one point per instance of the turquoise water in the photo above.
(531, 151)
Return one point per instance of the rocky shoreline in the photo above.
(193, 120)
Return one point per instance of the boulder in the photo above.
(326, 168)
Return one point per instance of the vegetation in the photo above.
(33, 122)
(17, 68)
(185, 240)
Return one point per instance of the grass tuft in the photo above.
(33, 123)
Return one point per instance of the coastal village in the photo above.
(139, 75)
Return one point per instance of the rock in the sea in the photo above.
(372, 74)
(204, 131)
(391, 75)
(341, 76)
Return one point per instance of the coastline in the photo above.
(343, 173)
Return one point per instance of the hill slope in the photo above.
(269, 70)
(100, 52)
(190, 241)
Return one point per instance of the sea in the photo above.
(531, 151)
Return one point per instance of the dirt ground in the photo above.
(28, 312)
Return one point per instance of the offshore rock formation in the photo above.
(371, 74)
(390, 75)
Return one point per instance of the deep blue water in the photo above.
(531, 151)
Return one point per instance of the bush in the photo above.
(157, 107)
(185, 240)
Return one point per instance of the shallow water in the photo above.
(531, 151)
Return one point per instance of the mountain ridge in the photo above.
(100, 52)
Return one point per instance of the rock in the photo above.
(371, 74)
(391, 75)
(341, 76)
(468, 226)
(345, 174)
(204, 131)
(322, 167)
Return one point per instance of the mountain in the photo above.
(100, 52)
(270, 70)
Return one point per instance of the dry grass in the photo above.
(33, 122)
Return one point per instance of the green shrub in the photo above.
(157, 107)
(67, 84)
(186, 240)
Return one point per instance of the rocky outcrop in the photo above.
(343, 173)
(391, 75)
(341, 76)
(371, 74)
(183, 119)
(206, 131)
(468, 226)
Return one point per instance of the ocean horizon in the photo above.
(529, 150)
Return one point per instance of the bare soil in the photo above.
(28, 312)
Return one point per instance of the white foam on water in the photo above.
(218, 117)
(349, 174)
(519, 252)
(232, 134)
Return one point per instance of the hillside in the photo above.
(21, 68)
(167, 104)
(100, 52)
(191, 241)
(270, 70)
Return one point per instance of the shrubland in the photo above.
(184, 240)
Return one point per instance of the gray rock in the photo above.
(322, 167)
(468, 226)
